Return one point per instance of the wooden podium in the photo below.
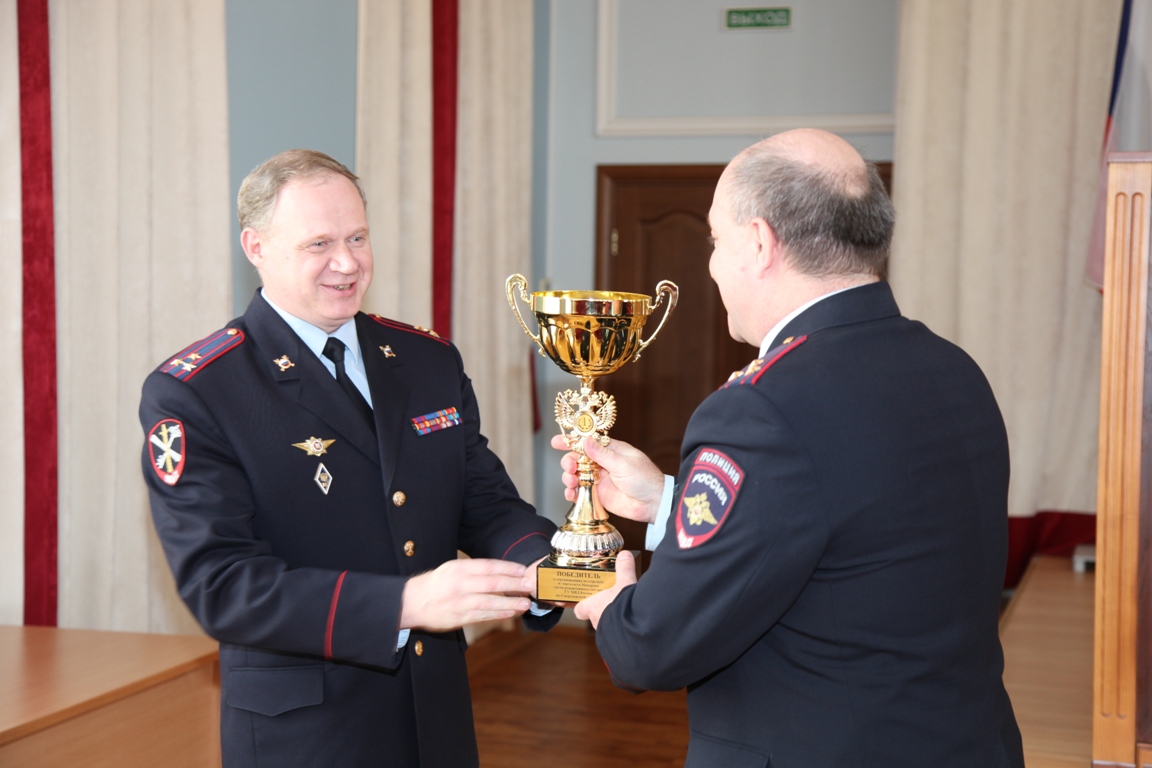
(73, 697)
(1122, 699)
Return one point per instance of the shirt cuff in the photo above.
(655, 532)
(534, 609)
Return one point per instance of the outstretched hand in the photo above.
(461, 592)
(590, 608)
(629, 484)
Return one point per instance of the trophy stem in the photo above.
(587, 509)
(587, 538)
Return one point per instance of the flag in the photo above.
(1128, 127)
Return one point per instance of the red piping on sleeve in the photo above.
(505, 555)
(332, 616)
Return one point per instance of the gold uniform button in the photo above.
(409, 548)
(399, 498)
(419, 648)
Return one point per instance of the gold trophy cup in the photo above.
(588, 334)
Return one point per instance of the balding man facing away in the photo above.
(828, 582)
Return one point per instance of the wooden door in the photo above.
(652, 225)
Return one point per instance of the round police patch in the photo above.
(707, 497)
(166, 447)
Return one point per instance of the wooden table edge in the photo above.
(43, 722)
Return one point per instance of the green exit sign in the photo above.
(758, 18)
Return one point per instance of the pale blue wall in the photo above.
(291, 84)
(840, 57)
(677, 57)
(823, 29)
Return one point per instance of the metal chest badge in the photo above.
(323, 478)
(166, 448)
(314, 446)
(707, 497)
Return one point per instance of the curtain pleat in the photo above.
(143, 266)
(493, 219)
(394, 153)
(1000, 117)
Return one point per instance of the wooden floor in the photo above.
(1047, 633)
(549, 694)
(531, 690)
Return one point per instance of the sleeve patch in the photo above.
(166, 448)
(196, 357)
(707, 497)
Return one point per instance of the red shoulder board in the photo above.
(419, 330)
(196, 357)
(751, 373)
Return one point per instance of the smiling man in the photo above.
(313, 471)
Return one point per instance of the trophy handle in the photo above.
(663, 287)
(522, 282)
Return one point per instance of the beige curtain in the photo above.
(11, 282)
(143, 264)
(493, 177)
(493, 219)
(1000, 115)
(394, 153)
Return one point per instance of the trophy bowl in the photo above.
(587, 334)
(590, 333)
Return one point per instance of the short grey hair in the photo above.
(829, 223)
(257, 198)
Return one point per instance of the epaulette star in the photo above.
(752, 372)
(203, 352)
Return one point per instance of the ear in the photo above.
(251, 242)
(768, 246)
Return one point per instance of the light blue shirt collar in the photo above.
(315, 338)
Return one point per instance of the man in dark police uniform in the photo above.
(828, 582)
(313, 471)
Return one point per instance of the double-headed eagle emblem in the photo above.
(584, 413)
(699, 510)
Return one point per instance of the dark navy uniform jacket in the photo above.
(293, 551)
(829, 583)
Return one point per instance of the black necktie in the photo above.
(334, 351)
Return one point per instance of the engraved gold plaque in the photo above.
(588, 334)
